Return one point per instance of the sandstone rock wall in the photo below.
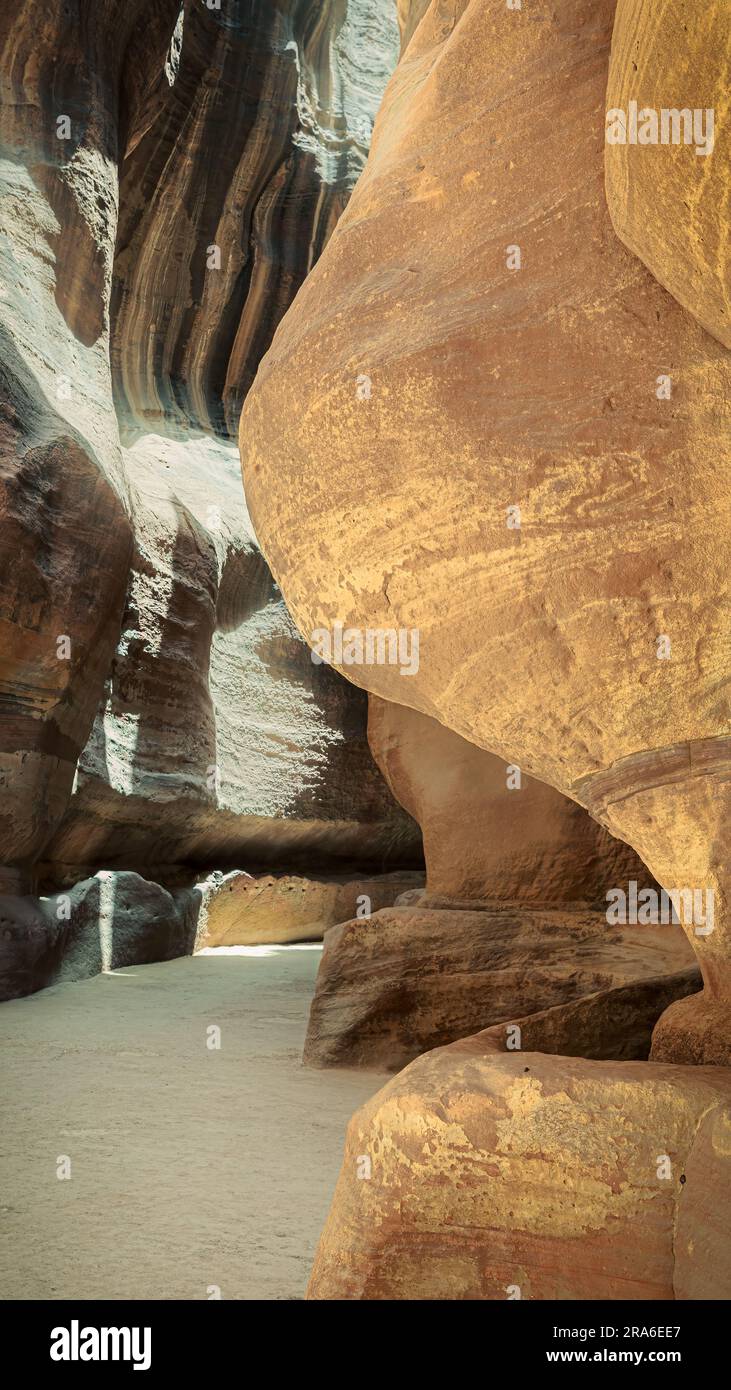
(218, 742)
(231, 192)
(487, 1170)
(491, 833)
(472, 949)
(667, 193)
(64, 499)
(515, 485)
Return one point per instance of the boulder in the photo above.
(102, 924)
(410, 978)
(29, 938)
(241, 909)
(458, 436)
(476, 1175)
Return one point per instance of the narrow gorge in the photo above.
(365, 714)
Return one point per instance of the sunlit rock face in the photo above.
(230, 195)
(67, 93)
(180, 721)
(513, 483)
(668, 164)
(240, 909)
(218, 740)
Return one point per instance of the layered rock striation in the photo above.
(168, 179)
(413, 978)
(515, 482)
(256, 134)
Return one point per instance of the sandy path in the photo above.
(190, 1167)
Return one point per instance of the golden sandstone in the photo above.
(524, 367)
(537, 481)
(480, 597)
(670, 205)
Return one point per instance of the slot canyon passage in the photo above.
(365, 724)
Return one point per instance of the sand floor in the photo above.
(189, 1167)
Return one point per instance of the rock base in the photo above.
(410, 979)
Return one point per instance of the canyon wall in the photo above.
(169, 176)
(480, 388)
(536, 479)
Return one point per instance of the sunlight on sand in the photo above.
(259, 950)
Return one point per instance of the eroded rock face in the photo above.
(63, 495)
(472, 1174)
(240, 909)
(495, 842)
(162, 711)
(613, 1024)
(668, 165)
(491, 833)
(412, 978)
(218, 740)
(575, 619)
(256, 137)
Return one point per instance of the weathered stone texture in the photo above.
(490, 1173)
(497, 385)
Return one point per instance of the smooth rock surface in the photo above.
(491, 832)
(561, 1177)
